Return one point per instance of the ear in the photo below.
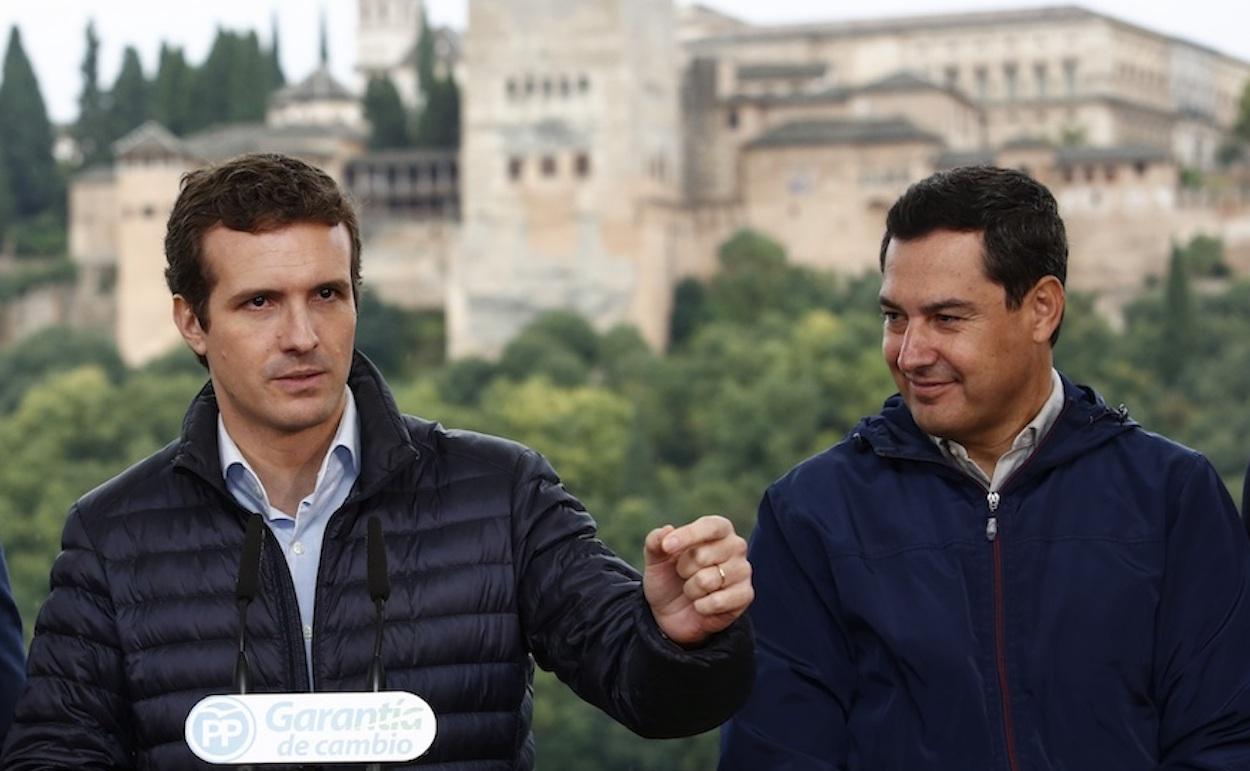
(189, 326)
(1045, 303)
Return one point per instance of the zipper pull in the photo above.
(991, 528)
(992, 499)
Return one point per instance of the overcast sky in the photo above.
(53, 30)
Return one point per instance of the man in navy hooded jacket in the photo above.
(998, 571)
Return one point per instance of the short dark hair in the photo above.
(254, 193)
(1024, 238)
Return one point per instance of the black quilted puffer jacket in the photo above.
(493, 566)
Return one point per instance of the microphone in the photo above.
(379, 590)
(245, 591)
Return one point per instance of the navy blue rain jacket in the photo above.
(1104, 626)
(493, 564)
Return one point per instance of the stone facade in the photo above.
(808, 133)
(1048, 73)
(570, 135)
(610, 146)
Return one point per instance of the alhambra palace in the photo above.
(610, 146)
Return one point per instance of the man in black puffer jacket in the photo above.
(493, 564)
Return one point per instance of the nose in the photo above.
(299, 333)
(915, 350)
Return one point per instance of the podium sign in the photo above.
(384, 727)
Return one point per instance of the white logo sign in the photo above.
(220, 729)
(311, 728)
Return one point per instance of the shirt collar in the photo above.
(345, 445)
(1032, 432)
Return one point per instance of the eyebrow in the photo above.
(246, 294)
(937, 306)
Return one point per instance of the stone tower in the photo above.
(386, 39)
(571, 154)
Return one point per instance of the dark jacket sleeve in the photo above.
(1245, 500)
(1202, 636)
(586, 620)
(12, 655)
(74, 712)
(795, 719)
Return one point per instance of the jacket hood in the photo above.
(385, 444)
(1085, 422)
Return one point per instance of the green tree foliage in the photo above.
(231, 85)
(49, 351)
(386, 114)
(129, 99)
(1204, 257)
(26, 136)
(234, 82)
(401, 343)
(92, 131)
(754, 281)
(171, 91)
(251, 67)
(690, 311)
(438, 123)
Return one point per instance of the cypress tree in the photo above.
(438, 119)
(425, 58)
(276, 78)
(248, 84)
(439, 122)
(1178, 320)
(6, 207)
(210, 102)
(129, 96)
(25, 135)
(91, 131)
(325, 42)
(386, 114)
(171, 91)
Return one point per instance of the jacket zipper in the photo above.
(993, 499)
(286, 593)
(288, 607)
(1000, 629)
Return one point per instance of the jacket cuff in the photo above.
(726, 656)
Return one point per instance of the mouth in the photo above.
(928, 390)
(300, 380)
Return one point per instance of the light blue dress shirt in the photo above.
(300, 536)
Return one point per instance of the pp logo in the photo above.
(221, 729)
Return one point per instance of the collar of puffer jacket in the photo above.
(386, 446)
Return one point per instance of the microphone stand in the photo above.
(379, 590)
(245, 591)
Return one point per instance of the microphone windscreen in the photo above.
(249, 563)
(379, 581)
